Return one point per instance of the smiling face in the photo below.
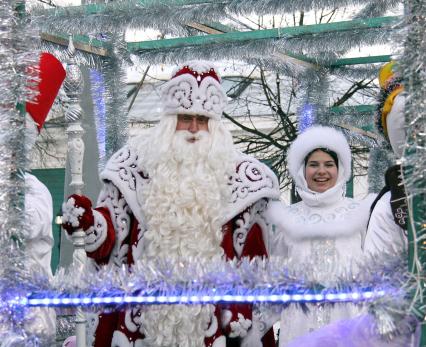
(320, 171)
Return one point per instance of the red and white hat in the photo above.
(47, 79)
(194, 89)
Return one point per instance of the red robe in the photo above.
(119, 227)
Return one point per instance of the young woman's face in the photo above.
(320, 172)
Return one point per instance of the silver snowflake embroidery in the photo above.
(71, 213)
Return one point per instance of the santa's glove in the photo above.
(393, 178)
(77, 213)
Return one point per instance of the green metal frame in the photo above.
(277, 33)
(102, 48)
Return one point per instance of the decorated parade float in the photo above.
(91, 37)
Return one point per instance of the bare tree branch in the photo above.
(47, 2)
(352, 90)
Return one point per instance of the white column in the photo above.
(73, 86)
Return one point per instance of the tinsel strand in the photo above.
(414, 159)
(171, 16)
(113, 71)
(17, 51)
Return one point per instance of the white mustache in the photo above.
(188, 136)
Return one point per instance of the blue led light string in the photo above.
(306, 117)
(362, 294)
(98, 92)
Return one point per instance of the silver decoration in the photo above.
(81, 58)
(413, 71)
(73, 86)
(170, 17)
(315, 85)
(324, 254)
(114, 73)
(381, 158)
(358, 71)
(17, 52)
(378, 8)
(322, 49)
(219, 277)
(65, 326)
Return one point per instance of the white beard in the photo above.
(183, 203)
(184, 209)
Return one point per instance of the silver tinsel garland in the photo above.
(317, 49)
(322, 49)
(413, 71)
(17, 52)
(213, 277)
(411, 66)
(171, 16)
(381, 158)
(193, 276)
(116, 123)
(377, 8)
(81, 58)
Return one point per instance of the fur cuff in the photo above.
(96, 235)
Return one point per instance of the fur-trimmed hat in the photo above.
(195, 88)
(319, 137)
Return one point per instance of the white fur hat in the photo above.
(319, 137)
(194, 89)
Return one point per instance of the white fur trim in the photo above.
(239, 236)
(315, 137)
(244, 225)
(71, 213)
(301, 222)
(123, 172)
(183, 94)
(96, 234)
(251, 182)
(118, 208)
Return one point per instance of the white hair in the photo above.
(184, 210)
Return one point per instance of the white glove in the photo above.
(240, 327)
